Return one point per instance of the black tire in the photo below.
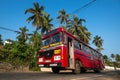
(77, 69)
(83, 70)
(55, 70)
(97, 70)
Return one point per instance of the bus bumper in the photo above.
(51, 65)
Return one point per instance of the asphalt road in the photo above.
(109, 75)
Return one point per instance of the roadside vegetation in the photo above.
(22, 53)
(113, 60)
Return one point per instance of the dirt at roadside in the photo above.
(118, 75)
(114, 75)
(6, 67)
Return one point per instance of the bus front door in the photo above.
(70, 54)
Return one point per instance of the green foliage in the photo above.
(117, 58)
(105, 57)
(37, 15)
(35, 42)
(98, 42)
(63, 17)
(4, 53)
(80, 31)
(34, 65)
(22, 35)
(47, 26)
(115, 61)
(19, 53)
(20, 50)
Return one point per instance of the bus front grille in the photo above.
(46, 54)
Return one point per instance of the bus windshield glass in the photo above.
(52, 40)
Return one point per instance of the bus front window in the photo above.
(56, 39)
(52, 40)
(45, 42)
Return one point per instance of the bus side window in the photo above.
(92, 52)
(65, 39)
(80, 45)
(87, 50)
(84, 49)
(96, 54)
(76, 44)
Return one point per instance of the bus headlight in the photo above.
(40, 59)
(57, 51)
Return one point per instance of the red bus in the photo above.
(61, 51)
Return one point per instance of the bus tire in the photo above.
(97, 70)
(55, 70)
(83, 70)
(77, 69)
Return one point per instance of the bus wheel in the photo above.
(55, 70)
(77, 69)
(83, 70)
(97, 70)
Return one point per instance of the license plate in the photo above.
(47, 60)
(56, 57)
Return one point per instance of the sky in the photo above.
(102, 18)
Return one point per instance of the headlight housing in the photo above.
(57, 51)
(40, 59)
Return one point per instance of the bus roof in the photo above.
(52, 32)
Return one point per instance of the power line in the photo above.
(70, 20)
(18, 32)
(79, 9)
(7, 29)
(84, 6)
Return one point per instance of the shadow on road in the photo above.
(88, 72)
(63, 75)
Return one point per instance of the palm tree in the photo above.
(37, 15)
(105, 57)
(63, 16)
(113, 61)
(98, 42)
(76, 24)
(117, 58)
(72, 30)
(47, 23)
(113, 56)
(79, 30)
(85, 35)
(22, 35)
(35, 42)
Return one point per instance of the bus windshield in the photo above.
(52, 40)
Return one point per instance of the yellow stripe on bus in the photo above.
(45, 47)
(56, 44)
